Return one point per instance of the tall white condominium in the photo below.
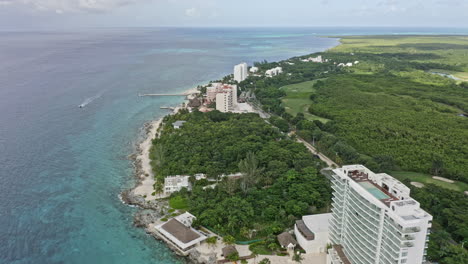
(374, 220)
(240, 72)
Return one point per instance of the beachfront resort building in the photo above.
(312, 233)
(179, 233)
(240, 72)
(273, 72)
(225, 96)
(176, 183)
(374, 219)
(224, 102)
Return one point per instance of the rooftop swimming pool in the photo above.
(374, 190)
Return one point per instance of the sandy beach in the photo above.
(144, 172)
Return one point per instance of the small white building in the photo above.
(178, 233)
(200, 176)
(178, 124)
(253, 69)
(176, 183)
(317, 59)
(349, 64)
(274, 72)
(240, 72)
(312, 232)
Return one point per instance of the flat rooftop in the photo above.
(378, 192)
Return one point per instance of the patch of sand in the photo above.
(145, 172)
(442, 179)
(417, 184)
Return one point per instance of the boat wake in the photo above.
(90, 99)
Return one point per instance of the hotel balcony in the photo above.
(409, 237)
(413, 229)
(408, 244)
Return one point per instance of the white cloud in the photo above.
(62, 6)
(192, 12)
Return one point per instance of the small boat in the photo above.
(81, 106)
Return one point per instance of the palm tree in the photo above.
(229, 240)
(158, 157)
(297, 257)
(249, 167)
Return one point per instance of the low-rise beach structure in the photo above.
(178, 124)
(312, 233)
(176, 183)
(253, 69)
(273, 72)
(179, 234)
(229, 251)
(317, 59)
(286, 241)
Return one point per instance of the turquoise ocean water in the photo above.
(62, 167)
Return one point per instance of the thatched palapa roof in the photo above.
(285, 239)
(229, 250)
(304, 230)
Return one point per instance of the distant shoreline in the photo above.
(141, 194)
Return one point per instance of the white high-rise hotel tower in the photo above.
(240, 72)
(374, 220)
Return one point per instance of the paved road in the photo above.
(312, 149)
(309, 146)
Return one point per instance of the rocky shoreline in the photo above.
(150, 209)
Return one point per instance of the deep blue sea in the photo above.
(62, 167)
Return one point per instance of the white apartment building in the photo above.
(224, 102)
(240, 72)
(374, 220)
(225, 96)
(176, 183)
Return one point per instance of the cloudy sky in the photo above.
(26, 14)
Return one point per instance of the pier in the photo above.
(177, 94)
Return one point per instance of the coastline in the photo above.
(151, 207)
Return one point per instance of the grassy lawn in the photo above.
(426, 179)
(178, 202)
(461, 75)
(297, 99)
(447, 49)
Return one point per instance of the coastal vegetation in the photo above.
(280, 181)
(390, 111)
